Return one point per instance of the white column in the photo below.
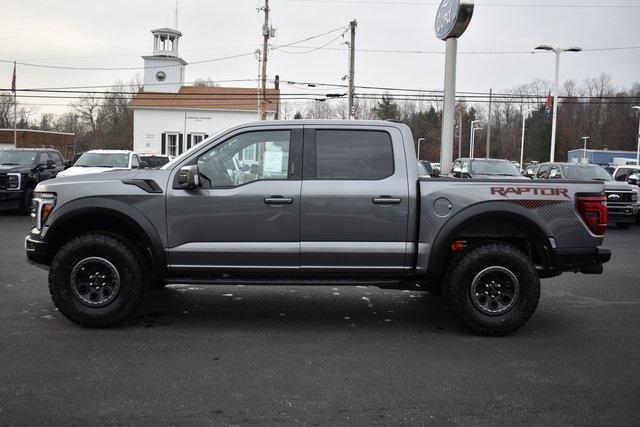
(448, 113)
(556, 94)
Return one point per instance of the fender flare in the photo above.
(116, 209)
(487, 210)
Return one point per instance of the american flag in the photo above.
(13, 80)
(548, 105)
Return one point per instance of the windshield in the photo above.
(586, 173)
(494, 167)
(8, 157)
(104, 160)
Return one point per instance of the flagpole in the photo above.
(15, 114)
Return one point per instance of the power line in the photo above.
(204, 61)
(511, 5)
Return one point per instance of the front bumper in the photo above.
(622, 214)
(10, 200)
(580, 260)
(37, 251)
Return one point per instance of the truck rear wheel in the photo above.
(493, 289)
(96, 280)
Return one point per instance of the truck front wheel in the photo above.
(493, 289)
(96, 280)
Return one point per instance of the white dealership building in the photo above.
(169, 117)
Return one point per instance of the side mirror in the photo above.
(188, 177)
(143, 164)
(435, 173)
(67, 164)
(529, 173)
(51, 164)
(634, 179)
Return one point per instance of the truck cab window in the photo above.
(353, 155)
(227, 165)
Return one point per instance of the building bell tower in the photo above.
(164, 70)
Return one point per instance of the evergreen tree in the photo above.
(387, 109)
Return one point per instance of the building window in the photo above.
(197, 138)
(172, 144)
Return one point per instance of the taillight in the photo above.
(593, 210)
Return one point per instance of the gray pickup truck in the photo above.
(312, 203)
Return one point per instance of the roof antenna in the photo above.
(176, 16)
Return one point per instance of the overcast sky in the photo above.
(115, 33)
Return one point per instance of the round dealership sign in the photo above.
(453, 18)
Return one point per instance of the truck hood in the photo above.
(617, 186)
(14, 168)
(80, 170)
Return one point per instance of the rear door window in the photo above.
(353, 155)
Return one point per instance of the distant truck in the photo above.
(95, 161)
(21, 170)
(326, 203)
(622, 198)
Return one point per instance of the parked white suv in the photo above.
(95, 161)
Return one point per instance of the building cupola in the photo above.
(165, 42)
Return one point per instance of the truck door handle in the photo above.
(278, 200)
(386, 200)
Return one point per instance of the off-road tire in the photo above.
(624, 225)
(127, 262)
(458, 283)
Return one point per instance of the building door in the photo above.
(243, 217)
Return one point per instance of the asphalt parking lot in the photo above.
(321, 356)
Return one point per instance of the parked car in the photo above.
(622, 199)
(21, 170)
(485, 168)
(353, 213)
(96, 161)
(426, 170)
(634, 180)
(154, 161)
(622, 173)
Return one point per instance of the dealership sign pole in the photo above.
(452, 20)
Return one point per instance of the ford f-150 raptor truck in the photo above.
(312, 203)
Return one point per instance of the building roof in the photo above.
(581, 150)
(206, 98)
(37, 131)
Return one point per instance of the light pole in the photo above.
(473, 124)
(637, 108)
(525, 114)
(584, 151)
(420, 141)
(556, 92)
(473, 142)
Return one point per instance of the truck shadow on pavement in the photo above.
(285, 307)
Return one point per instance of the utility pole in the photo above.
(460, 136)
(352, 66)
(277, 86)
(265, 53)
(489, 124)
(259, 58)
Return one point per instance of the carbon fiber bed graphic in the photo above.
(559, 215)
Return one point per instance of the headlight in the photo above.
(13, 181)
(43, 204)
